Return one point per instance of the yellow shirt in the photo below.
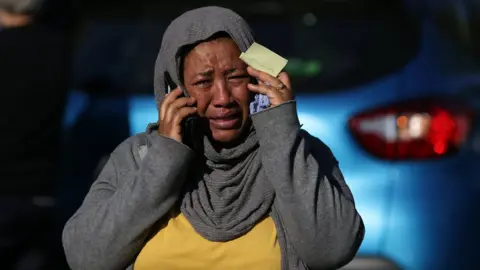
(179, 246)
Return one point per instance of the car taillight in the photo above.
(412, 130)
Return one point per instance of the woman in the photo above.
(256, 192)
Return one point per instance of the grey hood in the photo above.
(192, 27)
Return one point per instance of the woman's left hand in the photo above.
(278, 90)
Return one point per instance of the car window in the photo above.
(330, 47)
(458, 20)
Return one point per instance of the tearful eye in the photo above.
(202, 83)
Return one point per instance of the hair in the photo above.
(26, 7)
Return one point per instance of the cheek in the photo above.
(242, 95)
(201, 100)
(202, 103)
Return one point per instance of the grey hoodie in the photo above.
(317, 224)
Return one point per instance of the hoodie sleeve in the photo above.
(314, 202)
(128, 198)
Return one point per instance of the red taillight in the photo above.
(412, 130)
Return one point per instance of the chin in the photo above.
(225, 136)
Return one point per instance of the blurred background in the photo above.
(392, 86)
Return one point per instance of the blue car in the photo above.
(395, 100)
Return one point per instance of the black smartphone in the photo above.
(188, 124)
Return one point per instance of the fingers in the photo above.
(264, 77)
(174, 107)
(181, 114)
(260, 88)
(285, 79)
(278, 90)
(287, 91)
(169, 98)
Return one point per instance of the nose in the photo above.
(222, 96)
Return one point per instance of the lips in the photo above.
(226, 121)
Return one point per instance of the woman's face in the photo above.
(216, 77)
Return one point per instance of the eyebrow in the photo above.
(210, 72)
(230, 71)
(206, 73)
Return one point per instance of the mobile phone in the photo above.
(189, 123)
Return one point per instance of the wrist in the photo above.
(277, 124)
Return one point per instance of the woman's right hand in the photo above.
(173, 109)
